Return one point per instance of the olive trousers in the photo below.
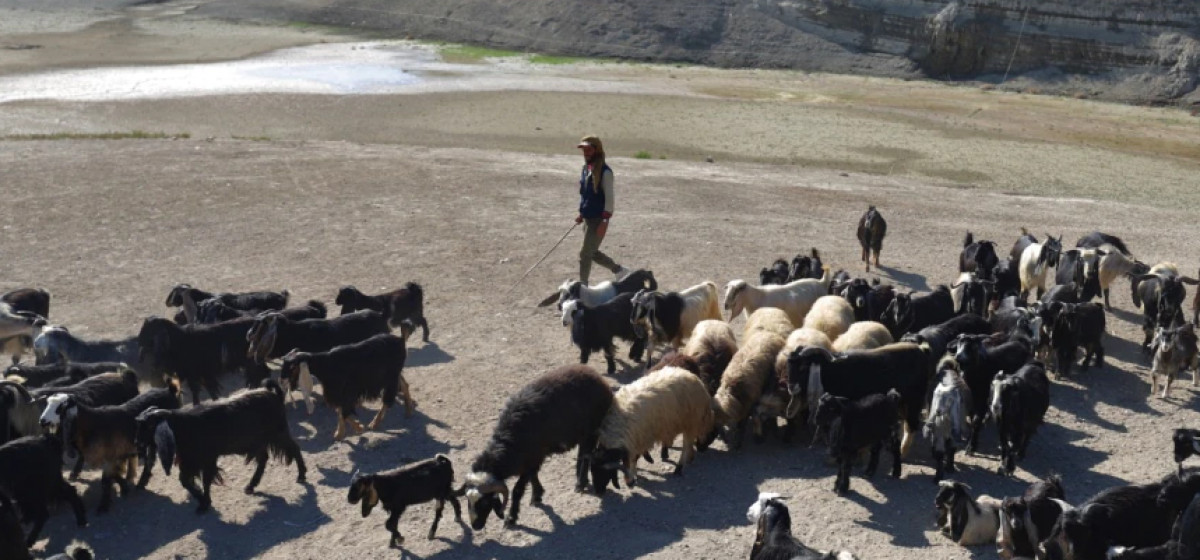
(591, 250)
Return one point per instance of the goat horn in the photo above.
(1189, 280)
(1064, 505)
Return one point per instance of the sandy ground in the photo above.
(462, 192)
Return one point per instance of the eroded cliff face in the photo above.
(1131, 50)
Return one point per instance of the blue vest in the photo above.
(591, 202)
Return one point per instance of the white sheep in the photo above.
(654, 409)
(751, 368)
(863, 335)
(794, 298)
(801, 337)
(672, 316)
(768, 319)
(831, 315)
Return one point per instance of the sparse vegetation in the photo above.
(643, 155)
(252, 138)
(129, 135)
(470, 54)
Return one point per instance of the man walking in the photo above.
(595, 207)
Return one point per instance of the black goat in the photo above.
(1075, 326)
(1184, 543)
(854, 425)
(252, 424)
(1019, 404)
(872, 228)
(868, 301)
(351, 373)
(1008, 280)
(407, 303)
(1025, 521)
(777, 273)
(773, 538)
(60, 374)
(189, 298)
(104, 436)
(971, 294)
(31, 473)
(273, 335)
(978, 257)
(980, 364)
(1082, 267)
(939, 336)
(1160, 294)
(414, 483)
(198, 354)
(215, 311)
(806, 266)
(1097, 240)
(57, 345)
(1127, 516)
(911, 313)
(593, 329)
(1186, 442)
(557, 411)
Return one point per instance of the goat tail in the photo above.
(280, 453)
(319, 306)
(969, 239)
(815, 253)
(1024, 231)
(416, 290)
(274, 387)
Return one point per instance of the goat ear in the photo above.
(164, 440)
(549, 299)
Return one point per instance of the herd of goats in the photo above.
(862, 364)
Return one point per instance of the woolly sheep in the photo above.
(768, 319)
(654, 409)
(831, 315)
(708, 352)
(794, 298)
(743, 381)
(863, 335)
(801, 337)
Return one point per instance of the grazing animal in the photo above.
(910, 312)
(901, 366)
(768, 319)
(187, 298)
(56, 344)
(633, 282)
(31, 473)
(654, 409)
(777, 273)
(1018, 403)
(831, 315)
(252, 424)
(397, 489)
(706, 354)
(1075, 326)
(794, 298)
(105, 435)
(1174, 351)
(594, 328)
(1026, 520)
(773, 538)
(273, 335)
(947, 420)
(554, 413)
(1035, 262)
(868, 301)
(805, 266)
(980, 363)
(872, 228)
(1127, 516)
(198, 354)
(350, 374)
(671, 317)
(744, 380)
(967, 521)
(978, 257)
(403, 304)
(863, 335)
(855, 425)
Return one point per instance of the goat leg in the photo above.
(939, 462)
(897, 455)
(188, 480)
(409, 403)
(261, 459)
(378, 416)
(437, 516)
(873, 461)
(144, 479)
(392, 525)
(340, 432)
(514, 508)
(78, 467)
(424, 328)
(610, 358)
(457, 510)
(39, 520)
(107, 480)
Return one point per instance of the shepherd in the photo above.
(596, 201)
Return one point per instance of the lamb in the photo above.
(59, 374)
(633, 282)
(104, 435)
(768, 319)
(252, 423)
(555, 412)
(198, 354)
(773, 539)
(594, 328)
(349, 374)
(752, 368)
(188, 298)
(863, 335)
(831, 315)
(947, 420)
(31, 472)
(968, 522)
(56, 344)
(854, 425)
(273, 335)
(671, 317)
(404, 304)
(794, 298)
(654, 409)
(415, 483)
(1025, 520)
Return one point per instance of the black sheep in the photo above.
(593, 329)
(252, 424)
(557, 411)
(414, 483)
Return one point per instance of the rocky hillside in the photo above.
(1145, 51)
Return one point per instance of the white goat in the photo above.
(1036, 262)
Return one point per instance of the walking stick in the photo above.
(522, 278)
